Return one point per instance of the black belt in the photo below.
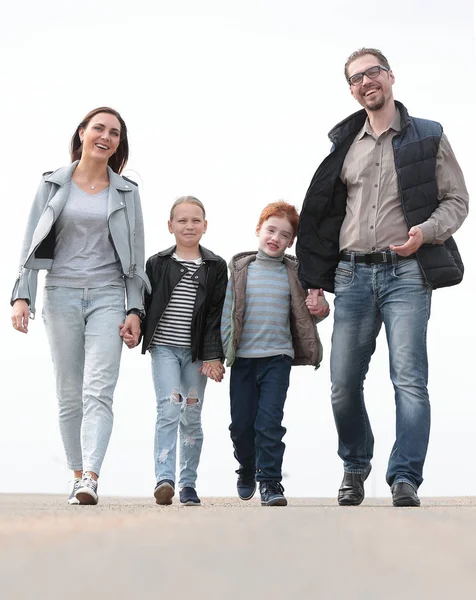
(373, 258)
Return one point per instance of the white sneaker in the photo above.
(76, 485)
(87, 491)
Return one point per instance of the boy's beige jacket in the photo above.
(306, 342)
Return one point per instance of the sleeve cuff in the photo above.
(428, 232)
(137, 312)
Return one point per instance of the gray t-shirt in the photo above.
(84, 254)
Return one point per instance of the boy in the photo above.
(266, 327)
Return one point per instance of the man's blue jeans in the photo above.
(395, 294)
(258, 388)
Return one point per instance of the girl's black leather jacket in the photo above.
(164, 273)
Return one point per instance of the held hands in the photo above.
(20, 315)
(130, 331)
(317, 304)
(415, 240)
(214, 369)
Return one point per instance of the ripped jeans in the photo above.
(179, 390)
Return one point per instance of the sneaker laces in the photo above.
(246, 474)
(88, 481)
(275, 486)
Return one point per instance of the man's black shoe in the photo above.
(351, 491)
(404, 494)
(246, 484)
(272, 494)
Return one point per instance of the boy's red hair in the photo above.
(282, 210)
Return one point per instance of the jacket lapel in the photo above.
(117, 185)
(62, 178)
(59, 199)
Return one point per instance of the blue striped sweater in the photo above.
(266, 321)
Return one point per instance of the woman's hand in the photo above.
(214, 369)
(20, 315)
(130, 331)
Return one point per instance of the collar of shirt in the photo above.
(272, 259)
(395, 124)
(197, 261)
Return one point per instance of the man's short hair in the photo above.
(362, 52)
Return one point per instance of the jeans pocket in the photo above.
(344, 276)
(408, 269)
(51, 288)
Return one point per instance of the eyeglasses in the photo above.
(371, 73)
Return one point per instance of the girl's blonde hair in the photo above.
(186, 200)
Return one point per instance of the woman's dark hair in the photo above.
(118, 160)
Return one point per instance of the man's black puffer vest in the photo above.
(415, 150)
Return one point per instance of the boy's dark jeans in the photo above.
(258, 388)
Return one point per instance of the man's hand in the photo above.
(415, 240)
(317, 304)
(20, 314)
(130, 331)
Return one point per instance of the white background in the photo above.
(230, 102)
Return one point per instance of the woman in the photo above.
(86, 228)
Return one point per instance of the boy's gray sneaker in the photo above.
(246, 483)
(272, 494)
(87, 491)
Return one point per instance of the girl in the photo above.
(86, 228)
(182, 332)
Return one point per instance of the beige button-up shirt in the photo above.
(374, 218)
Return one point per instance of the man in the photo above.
(376, 229)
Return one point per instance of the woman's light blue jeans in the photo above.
(179, 389)
(82, 325)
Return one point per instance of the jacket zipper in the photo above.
(403, 204)
(130, 272)
(131, 264)
(201, 313)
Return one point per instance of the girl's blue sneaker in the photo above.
(188, 497)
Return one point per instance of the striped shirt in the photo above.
(174, 327)
(266, 324)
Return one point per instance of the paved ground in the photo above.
(226, 549)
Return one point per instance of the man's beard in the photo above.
(374, 106)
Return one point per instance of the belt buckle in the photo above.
(384, 256)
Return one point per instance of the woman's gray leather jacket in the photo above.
(126, 229)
